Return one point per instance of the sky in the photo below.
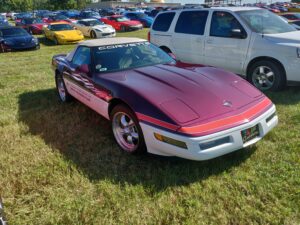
(202, 1)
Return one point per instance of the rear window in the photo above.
(163, 21)
(191, 22)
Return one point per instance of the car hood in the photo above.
(38, 25)
(289, 38)
(130, 23)
(190, 95)
(19, 40)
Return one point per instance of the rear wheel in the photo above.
(93, 34)
(123, 28)
(2, 48)
(267, 75)
(126, 130)
(62, 91)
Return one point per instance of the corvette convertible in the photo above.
(161, 105)
(62, 33)
(122, 23)
(16, 38)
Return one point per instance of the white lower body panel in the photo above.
(194, 152)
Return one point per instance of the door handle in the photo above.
(209, 41)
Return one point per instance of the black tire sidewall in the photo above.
(279, 74)
(68, 97)
(123, 108)
(93, 34)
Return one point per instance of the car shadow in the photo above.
(43, 40)
(85, 138)
(288, 96)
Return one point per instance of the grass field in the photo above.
(59, 163)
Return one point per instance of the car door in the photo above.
(227, 43)
(79, 81)
(188, 36)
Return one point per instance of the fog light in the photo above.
(214, 143)
(170, 141)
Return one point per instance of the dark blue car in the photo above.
(16, 38)
(89, 15)
(139, 16)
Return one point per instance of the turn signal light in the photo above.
(170, 141)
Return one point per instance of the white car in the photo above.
(249, 41)
(94, 28)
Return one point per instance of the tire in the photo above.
(55, 41)
(93, 34)
(30, 31)
(267, 75)
(2, 50)
(127, 131)
(166, 50)
(61, 89)
(123, 28)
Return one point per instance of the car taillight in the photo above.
(149, 36)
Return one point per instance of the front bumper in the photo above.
(132, 28)
(105, 34)
(194, 152)
(69, 41)
(20, 47)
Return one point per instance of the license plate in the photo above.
(250, 133)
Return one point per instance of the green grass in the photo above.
(60, 165)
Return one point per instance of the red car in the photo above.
(161, 105)
(122, 23)
(58, 19)
(32, 25)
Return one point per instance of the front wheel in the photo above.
(61, 89)
(93, 34)
(127, 131)
(123, 28)
(55, 41)
(267, 75)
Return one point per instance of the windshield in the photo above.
(60, 27)
(122, 19)
(141, 15)
(33, 21)
(94, 23)
(91, 14)
(263, 21)
(58, 17)
(128, 56)
(12, 32)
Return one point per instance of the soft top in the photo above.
(110, 41)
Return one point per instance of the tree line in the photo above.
(29, 5)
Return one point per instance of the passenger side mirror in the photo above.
(83, 69)
(238, 33)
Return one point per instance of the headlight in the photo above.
(98, 30)
(8, 43)
(298, 52)
(34, 40)
(61, 36)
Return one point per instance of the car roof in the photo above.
(234, 9)
(110, 41)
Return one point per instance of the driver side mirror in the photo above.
(84, 68)
(238, 33)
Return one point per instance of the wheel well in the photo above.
(166, 49)
(116, 101)
(266, 59)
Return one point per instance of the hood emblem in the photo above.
(227, 103)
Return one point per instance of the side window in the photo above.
(191, 22)
(82, 56)
(163, 21)
(223, 23)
